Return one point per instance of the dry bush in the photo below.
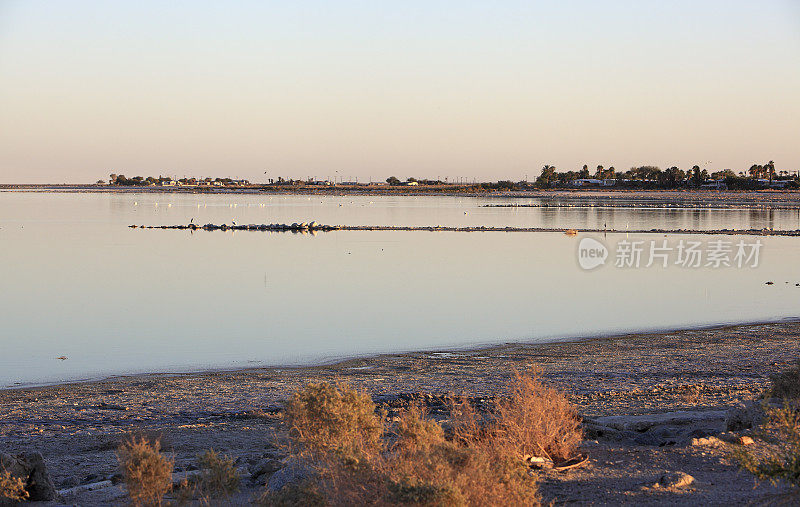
(356, 462)
(780, 461)
(147, 473)
(12, 489)
(534, 420)
(218, 477)
(306, 493)
(786, 384)
(331, 417)
(537, 421)
(424, 467)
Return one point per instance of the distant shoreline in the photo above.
(730, 197)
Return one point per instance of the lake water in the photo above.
(77, 283)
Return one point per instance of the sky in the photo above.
(368, 89)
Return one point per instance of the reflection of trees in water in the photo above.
(589, 213)
(606, 217)
(760, 218)
(696, 217)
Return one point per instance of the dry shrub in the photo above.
(331, 417)
(780, 461)
(786, 384)
(357, 462)
(424, 467)
(306, 493)
(536, 420)
(147, 472)
(219, 477)
(12, 489)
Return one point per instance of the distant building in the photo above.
(715, 185)
(764, 182)
(593, 182)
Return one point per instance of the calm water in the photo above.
(77, 282)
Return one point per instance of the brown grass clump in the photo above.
(147, 473)
(786, 384)
(219, 477)
(357, 462)
(12, 489)
(332, 417)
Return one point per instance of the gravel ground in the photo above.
(699, 374)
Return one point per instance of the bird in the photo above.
(63, 358)
(191, 221)
(234, 223)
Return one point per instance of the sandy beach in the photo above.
(643, 397)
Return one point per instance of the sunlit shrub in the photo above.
(147, 472)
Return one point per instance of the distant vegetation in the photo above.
(758, 176)
(651, 177)
(162, 181)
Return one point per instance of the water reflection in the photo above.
(78, 283)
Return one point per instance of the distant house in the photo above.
(773, 184)
(593, 182)
(715, 185)
(411, 183)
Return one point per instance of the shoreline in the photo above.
(338, 361)
(741, 197)
(677, 389)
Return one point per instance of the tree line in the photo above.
(649, 176)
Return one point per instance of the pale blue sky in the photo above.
(490, 90)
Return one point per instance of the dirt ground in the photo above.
(652, 393)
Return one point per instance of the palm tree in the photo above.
(770, 168)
